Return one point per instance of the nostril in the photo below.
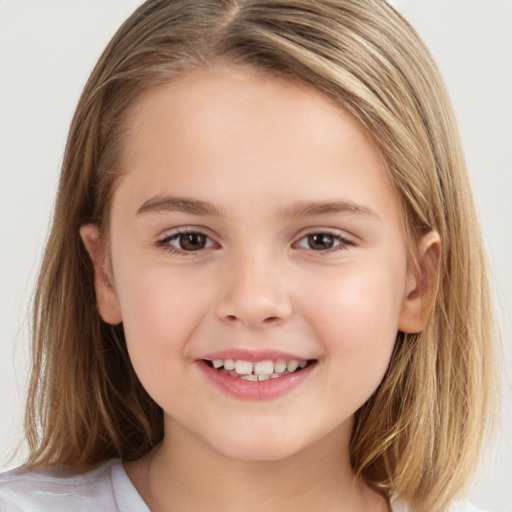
(231, 318)
(271, 319)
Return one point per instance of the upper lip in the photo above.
(253, 355)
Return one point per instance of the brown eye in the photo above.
(186, 242)
(320, 241)
(192, 241)
(323, 241)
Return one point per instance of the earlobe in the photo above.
(421, 285)
(106, 296)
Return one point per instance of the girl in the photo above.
(264, 287)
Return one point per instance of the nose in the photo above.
(254, 295)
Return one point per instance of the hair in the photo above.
(419, 435)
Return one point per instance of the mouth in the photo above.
(259, 370)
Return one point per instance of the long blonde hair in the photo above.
(419, 435)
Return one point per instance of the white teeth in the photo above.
(261, 370)
(292, 365)
(243, 367)
(280, 366)
(229, 364)
(263, 367)
(249, 377)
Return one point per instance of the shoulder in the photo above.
(465, 507)
(59, 489)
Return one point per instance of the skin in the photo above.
(254, 147)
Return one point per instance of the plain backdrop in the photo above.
(48, 48)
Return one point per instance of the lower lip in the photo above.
(255, 390)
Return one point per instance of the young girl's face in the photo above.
(254, 223)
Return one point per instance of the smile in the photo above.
(265, 379)
(258, 371)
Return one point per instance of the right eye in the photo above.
(183, 242)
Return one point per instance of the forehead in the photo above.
(241, 129)
(245, 100)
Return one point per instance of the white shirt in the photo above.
(106, 488)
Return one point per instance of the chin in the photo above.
(261, 446)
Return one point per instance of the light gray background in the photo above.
(48, 48)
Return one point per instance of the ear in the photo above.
(106, 296)
(420, 285)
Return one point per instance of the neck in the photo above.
(183, 473)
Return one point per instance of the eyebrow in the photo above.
(311, 208)
(160, 204)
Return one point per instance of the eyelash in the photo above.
(165, 243)
(340, 242)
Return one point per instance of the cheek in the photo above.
(161, 309)
(356, 317)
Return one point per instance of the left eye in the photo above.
(321, 241)
(193, 241)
